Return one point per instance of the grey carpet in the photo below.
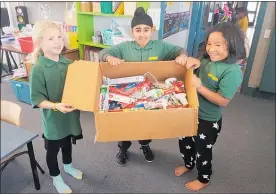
(244, 157)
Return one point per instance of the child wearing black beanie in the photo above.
(142, 49)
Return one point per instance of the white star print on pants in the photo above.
(197, 150)
(215, 125)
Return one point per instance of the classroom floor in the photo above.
(244, 157)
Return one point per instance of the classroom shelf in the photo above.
(90, 43)
(105, 15)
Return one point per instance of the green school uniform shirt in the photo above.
(156, 50)
(219, 77)
(46, 83)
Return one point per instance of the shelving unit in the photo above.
(85, 23)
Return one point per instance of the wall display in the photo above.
(45, 10)
(175, 22)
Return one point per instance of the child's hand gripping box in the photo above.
(82, 90)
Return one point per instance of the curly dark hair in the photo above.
(234, 38)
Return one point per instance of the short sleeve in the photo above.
(203, 63)
(230, 82)
(38, 90)
(171, 51)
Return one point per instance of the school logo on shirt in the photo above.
(213, 79)
(153, 58)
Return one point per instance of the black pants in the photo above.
(124, 145)
(52, 147)
(198, 149)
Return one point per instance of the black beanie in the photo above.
(140, 17)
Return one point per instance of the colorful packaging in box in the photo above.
(138, 92)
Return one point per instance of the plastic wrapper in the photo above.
(120, 98)
(104, 96)
(123, 80)
(145, 95)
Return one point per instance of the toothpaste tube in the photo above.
(113, 105)
(169, 91)
(104, 93)
(174, 100)
(179, 86)
(155, 105)
(169, 81)
(130, 86)
(116, 90)
(120, 98)
(123, 80)
(137, 103)
(182, 98)
(154, 93)
(140, 88)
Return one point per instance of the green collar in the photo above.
(148, 46)
(49, 63)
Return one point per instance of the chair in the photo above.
(11, 113)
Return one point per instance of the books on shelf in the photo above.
(91, 54)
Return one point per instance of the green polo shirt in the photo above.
(219, 77)
(156, 50)
(46, 83)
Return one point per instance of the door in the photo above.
(206, 12)
(268, 77)
(252, 8)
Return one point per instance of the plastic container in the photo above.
(21, 90)
(26, 44)
(96, 7)
(106, 7)
(86, 6)
(108, 36)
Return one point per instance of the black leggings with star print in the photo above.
(198, 149)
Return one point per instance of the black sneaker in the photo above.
(121, 157)
(149, 156)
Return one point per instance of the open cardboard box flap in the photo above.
(82, 90)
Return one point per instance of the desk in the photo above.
(8, 49)
(72, 54)
(13, 138)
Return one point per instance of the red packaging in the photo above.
(178, 87)
(144, 85)
(118, 91)
(169, 91)
(137, 102)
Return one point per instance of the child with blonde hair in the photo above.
(61, 122)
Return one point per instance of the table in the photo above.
(72, 54)
(8, 49)
(13, 138)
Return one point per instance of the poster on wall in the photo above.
(175, 22)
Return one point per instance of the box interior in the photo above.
(87, 82)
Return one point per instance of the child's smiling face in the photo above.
(52, 42)
(142, 34)
(217, 47)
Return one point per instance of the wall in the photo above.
(262, 47)
(180, 38)
(57, 10)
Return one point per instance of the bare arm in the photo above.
(65, 108)
(213, 97)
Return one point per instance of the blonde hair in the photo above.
(37, 34)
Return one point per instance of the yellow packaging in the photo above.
(73, 40)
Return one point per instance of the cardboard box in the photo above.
(82, 90)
